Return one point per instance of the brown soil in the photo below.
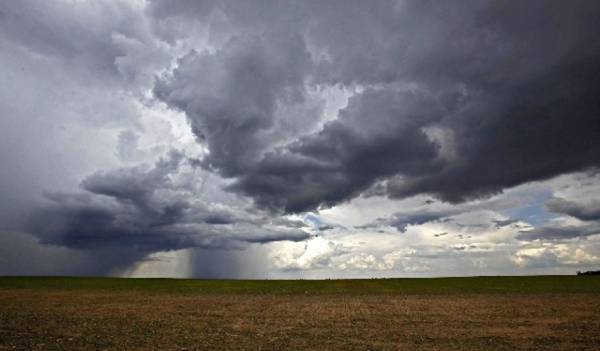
(79, 320)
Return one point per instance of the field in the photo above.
(481, 313)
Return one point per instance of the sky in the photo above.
(299, 139)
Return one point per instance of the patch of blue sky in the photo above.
(314, 220)
(535, 212)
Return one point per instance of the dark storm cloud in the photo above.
(117, 209)
(584, 212)
(235, 104)
(140, 209)
(556, 115)
(345, 157)
(25, 255)
(460, 100)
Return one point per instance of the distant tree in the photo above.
(588, 273)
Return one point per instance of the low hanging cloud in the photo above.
(141, 209)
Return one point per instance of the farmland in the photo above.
(480, 313)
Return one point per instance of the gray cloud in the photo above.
(401, 221)
(23, 254)
(454, 100)
(110, 42)
(348, 154)
(504, 222)
(431, 212)
(584, 212)
(140, 210)
(558, 233)
(489, 77)
(234, 103)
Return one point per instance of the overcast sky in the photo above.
(299, 139)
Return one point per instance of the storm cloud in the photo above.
(454, 100)
(140, 210)
(231, 128)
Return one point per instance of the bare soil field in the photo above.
(553, 313)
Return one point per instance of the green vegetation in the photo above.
(421, 286)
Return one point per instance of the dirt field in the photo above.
(532, 313)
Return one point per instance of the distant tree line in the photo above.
(588, 273)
